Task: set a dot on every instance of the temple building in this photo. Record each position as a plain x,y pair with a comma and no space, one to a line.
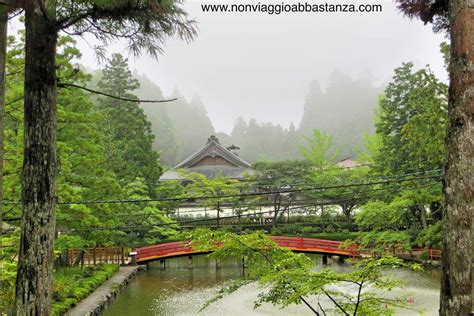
212,160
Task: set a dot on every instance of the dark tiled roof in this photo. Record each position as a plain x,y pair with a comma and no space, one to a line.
236,169
213,148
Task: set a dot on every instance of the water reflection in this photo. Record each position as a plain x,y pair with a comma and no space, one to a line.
178,290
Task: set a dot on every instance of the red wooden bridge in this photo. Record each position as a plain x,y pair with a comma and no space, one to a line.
300,244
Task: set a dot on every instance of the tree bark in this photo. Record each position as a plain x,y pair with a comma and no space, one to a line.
457,279
218,213
40,164
424,222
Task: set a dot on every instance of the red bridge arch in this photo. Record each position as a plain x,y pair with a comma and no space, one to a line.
300,244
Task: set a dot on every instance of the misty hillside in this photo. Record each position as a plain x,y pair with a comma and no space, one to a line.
180,127
345,110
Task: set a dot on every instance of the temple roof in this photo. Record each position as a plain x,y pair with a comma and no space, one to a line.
212,160
213,149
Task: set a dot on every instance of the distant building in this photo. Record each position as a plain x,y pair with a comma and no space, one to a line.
212,160
348,163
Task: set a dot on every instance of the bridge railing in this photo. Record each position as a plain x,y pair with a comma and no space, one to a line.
163,250
294,243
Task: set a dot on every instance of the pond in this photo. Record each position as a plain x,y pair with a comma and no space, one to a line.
177,290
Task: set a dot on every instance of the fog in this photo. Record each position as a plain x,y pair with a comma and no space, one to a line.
260,66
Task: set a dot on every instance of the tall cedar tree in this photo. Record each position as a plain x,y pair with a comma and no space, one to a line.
130,137
457,286
144,24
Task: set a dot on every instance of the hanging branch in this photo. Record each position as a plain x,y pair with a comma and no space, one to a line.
66,85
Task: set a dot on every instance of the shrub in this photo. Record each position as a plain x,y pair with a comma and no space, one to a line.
71,285
431,236
425,255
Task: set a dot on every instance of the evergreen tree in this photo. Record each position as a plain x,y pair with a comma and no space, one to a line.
412,122
129,136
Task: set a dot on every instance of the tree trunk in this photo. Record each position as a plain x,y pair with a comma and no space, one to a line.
276,211
40,165
218,213
423,220
457,280
347,211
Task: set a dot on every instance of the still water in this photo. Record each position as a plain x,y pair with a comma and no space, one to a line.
177,290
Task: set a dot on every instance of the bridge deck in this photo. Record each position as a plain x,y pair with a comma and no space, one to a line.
300,244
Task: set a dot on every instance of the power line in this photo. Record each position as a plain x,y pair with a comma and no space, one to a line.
272,179
248,194
315,202
129,228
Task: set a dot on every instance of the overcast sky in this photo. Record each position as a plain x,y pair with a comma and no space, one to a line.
260,66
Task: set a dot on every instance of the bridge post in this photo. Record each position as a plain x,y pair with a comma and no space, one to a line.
325,260
190,262
162,264
341,260
218,264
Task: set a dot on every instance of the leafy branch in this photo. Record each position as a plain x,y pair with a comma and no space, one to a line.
290,277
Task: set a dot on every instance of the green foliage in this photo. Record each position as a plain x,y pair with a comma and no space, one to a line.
321,155
276,177
371,147
288,278
319,151
145,220
65,242
70,285
412,124
383,242
348,197
220,190
7,281
144,24
86,168
337,236
380,215
129,138
431,236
